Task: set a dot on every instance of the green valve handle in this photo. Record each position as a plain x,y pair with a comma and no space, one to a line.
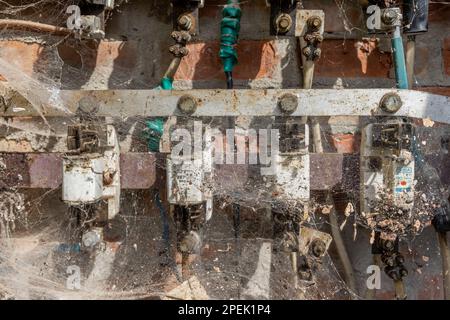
229,29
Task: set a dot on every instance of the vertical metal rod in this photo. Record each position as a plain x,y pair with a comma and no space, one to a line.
399,59
410,59
340,246
400,293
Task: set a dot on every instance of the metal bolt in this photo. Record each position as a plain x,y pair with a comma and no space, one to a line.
187,104
91,238
185,22
283,23
400,260
315,22
307,51
389,16
317,53
288,103
391,102
88,106
318,248
403,272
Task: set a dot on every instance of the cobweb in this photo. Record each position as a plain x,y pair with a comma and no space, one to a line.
240,258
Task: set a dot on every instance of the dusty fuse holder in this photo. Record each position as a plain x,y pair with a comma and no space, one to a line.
292,163
92,176
189,192
387,169
187,181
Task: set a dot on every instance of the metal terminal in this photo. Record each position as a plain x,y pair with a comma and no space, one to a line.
315,22
91,238
187,104
391,102
389,16
288,103
307,51
318,248
283,23
185,22
317,53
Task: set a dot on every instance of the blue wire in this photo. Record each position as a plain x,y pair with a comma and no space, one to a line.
165,220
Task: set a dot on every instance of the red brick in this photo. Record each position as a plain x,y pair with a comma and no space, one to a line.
340,59
438,12
21,54
257,59
444,91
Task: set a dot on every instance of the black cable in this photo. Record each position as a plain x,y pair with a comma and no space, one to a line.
229,76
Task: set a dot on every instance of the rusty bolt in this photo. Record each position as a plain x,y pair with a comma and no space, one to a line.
387,245
318,248
181,36
315,22
108,177
185,22
317,53
399,259
288,103
283,23
389,16
187,104
307,51
403,272
391,102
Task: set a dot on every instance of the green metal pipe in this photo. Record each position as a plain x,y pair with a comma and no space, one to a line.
401,75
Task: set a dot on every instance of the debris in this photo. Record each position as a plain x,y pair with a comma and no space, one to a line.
190,289
327,209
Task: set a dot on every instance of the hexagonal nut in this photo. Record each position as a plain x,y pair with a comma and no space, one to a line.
187,104
184,21
307,52
391,102
288,103
283,23
315,22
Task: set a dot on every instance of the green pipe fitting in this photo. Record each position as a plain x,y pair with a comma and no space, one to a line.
153,133
230,28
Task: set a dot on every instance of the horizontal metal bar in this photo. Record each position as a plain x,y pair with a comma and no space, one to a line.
139,171
160,103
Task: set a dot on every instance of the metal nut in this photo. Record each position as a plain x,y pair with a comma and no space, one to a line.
185,22
318,248
317,53
187,104
315,22
288,103
307,52
283,23
391,102
389,16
